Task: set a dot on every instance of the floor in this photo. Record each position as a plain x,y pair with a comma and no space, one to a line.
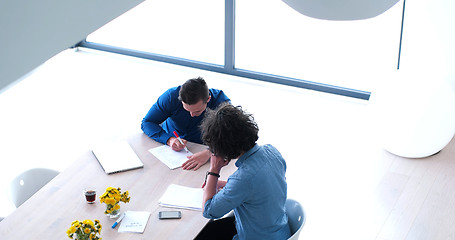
350,187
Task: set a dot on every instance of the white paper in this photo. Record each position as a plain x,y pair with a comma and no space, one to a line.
177,196
134,221
171,158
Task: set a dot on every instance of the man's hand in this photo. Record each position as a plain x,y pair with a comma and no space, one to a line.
196,160
175,144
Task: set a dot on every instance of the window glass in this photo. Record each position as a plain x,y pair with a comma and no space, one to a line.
180,28
273,38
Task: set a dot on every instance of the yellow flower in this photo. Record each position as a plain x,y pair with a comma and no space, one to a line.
84,229
89,222
125,197
110,201
112,197
117,197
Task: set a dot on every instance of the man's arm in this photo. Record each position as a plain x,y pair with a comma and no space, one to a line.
157,114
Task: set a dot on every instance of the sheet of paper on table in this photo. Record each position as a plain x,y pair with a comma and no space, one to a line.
134,221
171,158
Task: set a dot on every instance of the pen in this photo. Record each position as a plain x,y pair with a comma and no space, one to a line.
180,140
118,220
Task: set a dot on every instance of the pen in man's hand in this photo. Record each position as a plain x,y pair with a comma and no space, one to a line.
118,220
180,140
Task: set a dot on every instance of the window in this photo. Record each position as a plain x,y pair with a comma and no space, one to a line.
273,38
185,29
272,42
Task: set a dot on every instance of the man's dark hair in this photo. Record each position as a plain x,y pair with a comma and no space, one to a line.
229,131
194,90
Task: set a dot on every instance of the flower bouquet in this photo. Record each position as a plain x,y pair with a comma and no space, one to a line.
84,230
111,198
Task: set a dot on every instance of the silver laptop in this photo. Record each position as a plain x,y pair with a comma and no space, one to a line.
117,157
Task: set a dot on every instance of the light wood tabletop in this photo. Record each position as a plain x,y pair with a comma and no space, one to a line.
50,212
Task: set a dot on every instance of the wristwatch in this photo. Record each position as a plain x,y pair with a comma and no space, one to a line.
213,174
210,173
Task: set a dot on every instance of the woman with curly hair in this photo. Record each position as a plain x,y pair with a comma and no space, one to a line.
256,191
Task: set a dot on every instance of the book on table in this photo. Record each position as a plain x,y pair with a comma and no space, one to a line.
177,196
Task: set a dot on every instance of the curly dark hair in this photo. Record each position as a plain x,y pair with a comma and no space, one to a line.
194,90
229,131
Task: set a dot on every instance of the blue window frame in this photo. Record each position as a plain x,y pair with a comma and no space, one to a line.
221,62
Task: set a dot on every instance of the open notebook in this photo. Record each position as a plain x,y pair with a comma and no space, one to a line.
117,157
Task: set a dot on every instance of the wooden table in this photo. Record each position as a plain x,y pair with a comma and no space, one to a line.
50,212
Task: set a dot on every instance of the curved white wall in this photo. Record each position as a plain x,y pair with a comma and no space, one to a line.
32,32
417,103
429,36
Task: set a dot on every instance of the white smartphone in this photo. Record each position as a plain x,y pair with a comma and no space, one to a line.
170,215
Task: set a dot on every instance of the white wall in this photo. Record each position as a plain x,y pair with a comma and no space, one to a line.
416,105
32,32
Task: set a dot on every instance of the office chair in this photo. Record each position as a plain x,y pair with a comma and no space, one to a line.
296,218
28,183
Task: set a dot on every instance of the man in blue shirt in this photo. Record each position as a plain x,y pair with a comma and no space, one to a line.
256,192
181,109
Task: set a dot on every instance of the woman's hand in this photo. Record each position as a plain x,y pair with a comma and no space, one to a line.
216,163
211,187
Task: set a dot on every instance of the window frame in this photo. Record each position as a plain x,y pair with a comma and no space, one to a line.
229,61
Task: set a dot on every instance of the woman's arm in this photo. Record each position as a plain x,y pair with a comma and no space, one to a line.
216,163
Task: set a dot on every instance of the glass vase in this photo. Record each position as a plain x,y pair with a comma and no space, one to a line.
81,237
114,213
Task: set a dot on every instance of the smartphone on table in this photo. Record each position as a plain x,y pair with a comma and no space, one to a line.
169,215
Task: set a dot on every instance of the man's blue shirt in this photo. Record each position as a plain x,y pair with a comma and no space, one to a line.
257,192
168,115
